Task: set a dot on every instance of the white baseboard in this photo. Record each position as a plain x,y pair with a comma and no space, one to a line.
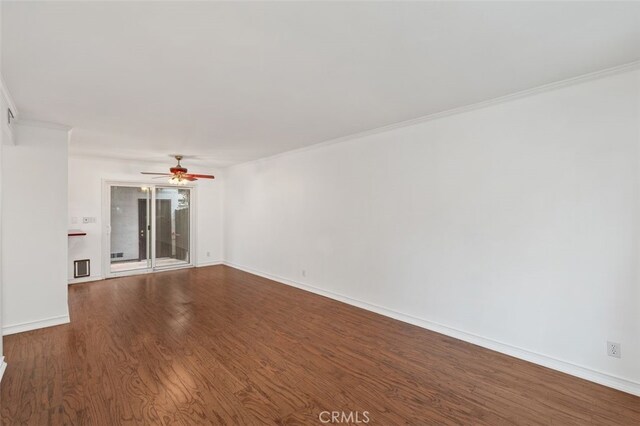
212,263
586,373
3,366
129,273
34,325
85,279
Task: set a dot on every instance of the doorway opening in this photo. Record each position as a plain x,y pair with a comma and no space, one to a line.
149,227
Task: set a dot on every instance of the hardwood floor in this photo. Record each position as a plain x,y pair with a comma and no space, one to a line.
219,346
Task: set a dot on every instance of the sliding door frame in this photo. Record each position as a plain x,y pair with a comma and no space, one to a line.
106,228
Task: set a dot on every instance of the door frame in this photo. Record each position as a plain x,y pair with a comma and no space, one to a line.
106,228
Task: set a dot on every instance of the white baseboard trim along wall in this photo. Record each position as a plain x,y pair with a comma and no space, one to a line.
85,280
34,325
516,221
573,369
3,366
546,361
212,263
100,277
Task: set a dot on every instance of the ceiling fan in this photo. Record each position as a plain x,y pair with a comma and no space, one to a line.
178,174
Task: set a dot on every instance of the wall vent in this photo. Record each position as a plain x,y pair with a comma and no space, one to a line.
81,268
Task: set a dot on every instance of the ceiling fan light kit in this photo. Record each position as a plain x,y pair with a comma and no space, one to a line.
179,175
178,181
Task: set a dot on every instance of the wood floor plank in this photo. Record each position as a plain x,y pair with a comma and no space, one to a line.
216,345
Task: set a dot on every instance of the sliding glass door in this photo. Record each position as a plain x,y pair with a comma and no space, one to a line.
130,239
149,228
172,233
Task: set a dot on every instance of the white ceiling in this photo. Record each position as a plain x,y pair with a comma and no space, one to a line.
231,82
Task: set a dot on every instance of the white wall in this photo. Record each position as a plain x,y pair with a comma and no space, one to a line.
2,109
516,226
34,229
2,142
86,176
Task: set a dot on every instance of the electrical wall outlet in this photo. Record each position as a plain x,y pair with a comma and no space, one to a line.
304,273
208,254
613,349
88,220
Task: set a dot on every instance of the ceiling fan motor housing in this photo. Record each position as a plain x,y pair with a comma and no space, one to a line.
179,174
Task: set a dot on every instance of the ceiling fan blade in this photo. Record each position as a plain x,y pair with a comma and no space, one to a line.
152,173
197,175
161,177
189,178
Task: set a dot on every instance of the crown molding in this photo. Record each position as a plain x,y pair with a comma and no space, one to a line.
631,66
87,155
116,159
99,156
5,90
44,125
